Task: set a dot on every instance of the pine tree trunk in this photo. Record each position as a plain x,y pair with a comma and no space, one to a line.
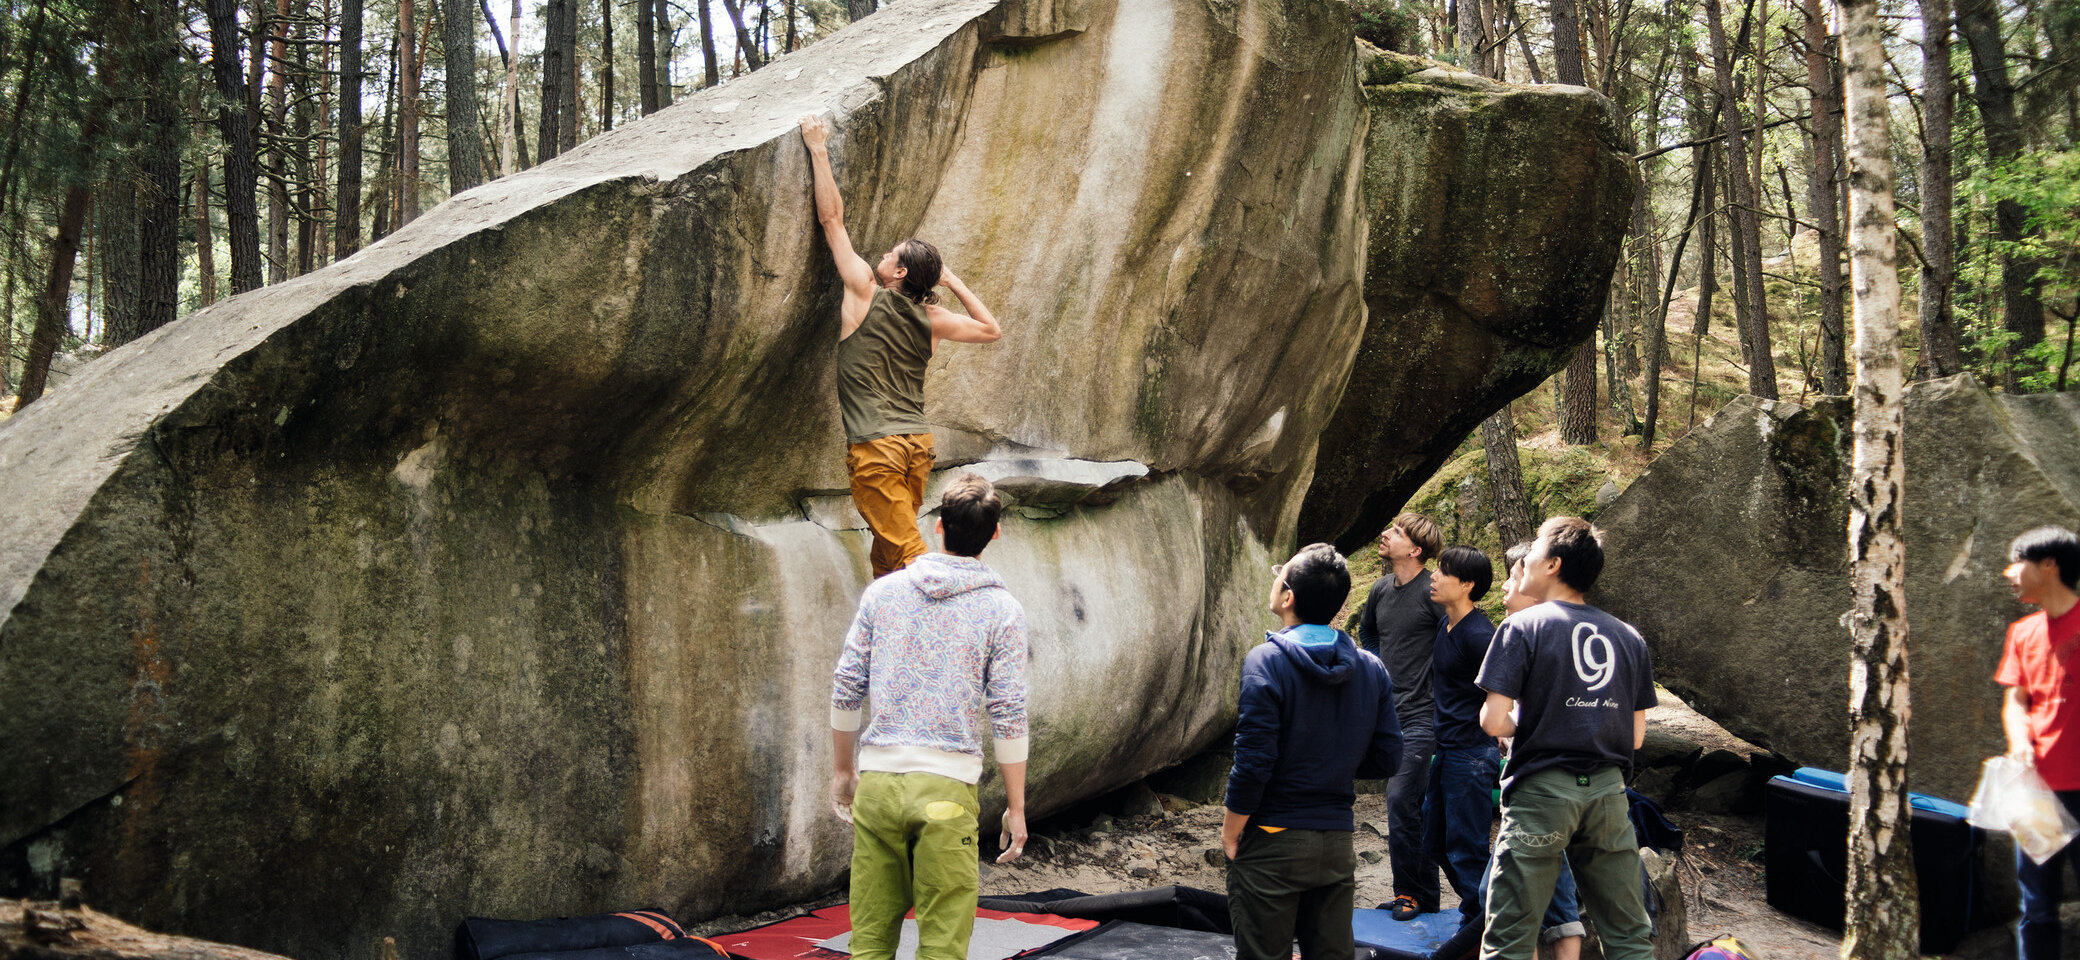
555,73
1578,397
241,178
1743,193
408,113
384,217
277,134
745,48
646,56
120,255
1567,46
857,10
1657,325
1883,920
1513,520
347,229
1978,21
606,65
567,93
302,162
1940,343
714,74
665,52
205,238
1825,138
459,47
159,200
53,309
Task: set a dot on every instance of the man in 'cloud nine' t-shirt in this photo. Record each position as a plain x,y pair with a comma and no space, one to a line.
1582,683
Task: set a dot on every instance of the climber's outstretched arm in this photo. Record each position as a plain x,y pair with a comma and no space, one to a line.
830,211
979,326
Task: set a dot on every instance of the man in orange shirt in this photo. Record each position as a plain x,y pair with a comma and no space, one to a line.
2041,713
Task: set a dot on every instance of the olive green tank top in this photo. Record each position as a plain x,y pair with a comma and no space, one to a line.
881,370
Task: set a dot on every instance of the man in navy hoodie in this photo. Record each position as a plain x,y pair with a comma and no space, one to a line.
1316,713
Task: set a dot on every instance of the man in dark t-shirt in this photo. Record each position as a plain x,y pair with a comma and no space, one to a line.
1399,625
1583,683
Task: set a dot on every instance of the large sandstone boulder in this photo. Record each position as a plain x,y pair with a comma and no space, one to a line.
1496,218
500,568
1731,555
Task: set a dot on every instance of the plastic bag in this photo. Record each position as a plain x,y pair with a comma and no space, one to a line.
2013,799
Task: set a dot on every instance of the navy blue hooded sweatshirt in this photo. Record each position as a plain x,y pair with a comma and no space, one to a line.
1316,712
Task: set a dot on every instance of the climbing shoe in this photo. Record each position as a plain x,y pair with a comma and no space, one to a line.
1405,908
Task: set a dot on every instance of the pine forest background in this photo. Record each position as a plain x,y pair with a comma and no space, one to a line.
160,155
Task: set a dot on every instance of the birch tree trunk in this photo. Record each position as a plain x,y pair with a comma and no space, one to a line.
1883,919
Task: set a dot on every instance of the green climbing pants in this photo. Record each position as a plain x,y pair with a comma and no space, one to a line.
1554,813
913,846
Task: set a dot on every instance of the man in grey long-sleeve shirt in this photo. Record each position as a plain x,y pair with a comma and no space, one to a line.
1399,625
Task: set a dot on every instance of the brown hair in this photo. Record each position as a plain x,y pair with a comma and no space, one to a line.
969,510
923,265
1421,531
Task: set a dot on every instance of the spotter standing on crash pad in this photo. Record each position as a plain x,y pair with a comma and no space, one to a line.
889,327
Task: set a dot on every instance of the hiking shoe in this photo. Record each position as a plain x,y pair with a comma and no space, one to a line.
1405,908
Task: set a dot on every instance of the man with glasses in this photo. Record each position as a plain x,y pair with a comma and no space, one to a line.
1315,714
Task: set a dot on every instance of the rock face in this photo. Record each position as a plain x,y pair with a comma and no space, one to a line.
1496,219
1730,554
500,568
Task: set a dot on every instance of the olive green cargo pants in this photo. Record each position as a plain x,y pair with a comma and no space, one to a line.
913,846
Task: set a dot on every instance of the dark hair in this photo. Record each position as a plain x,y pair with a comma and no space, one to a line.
1579,548
1468,564
1319,580
2054,543
1515,553
969,510
1421,531
923,265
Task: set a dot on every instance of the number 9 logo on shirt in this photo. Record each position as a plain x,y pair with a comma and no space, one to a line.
1595,661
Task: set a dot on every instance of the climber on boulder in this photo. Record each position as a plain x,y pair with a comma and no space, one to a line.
889,327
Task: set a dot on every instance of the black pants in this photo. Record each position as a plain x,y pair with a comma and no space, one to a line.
1293,884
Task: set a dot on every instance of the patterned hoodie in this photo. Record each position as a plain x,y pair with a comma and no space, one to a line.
933,646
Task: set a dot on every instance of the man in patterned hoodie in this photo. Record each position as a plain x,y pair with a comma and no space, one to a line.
935,646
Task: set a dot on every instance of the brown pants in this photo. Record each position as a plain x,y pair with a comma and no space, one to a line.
888,476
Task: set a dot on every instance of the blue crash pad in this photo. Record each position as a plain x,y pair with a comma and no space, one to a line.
1419,937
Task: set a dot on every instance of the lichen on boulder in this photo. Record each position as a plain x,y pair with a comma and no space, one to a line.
1496,212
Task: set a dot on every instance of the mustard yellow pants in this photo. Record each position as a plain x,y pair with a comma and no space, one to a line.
888,477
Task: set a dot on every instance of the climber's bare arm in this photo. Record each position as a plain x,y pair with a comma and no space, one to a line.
979,326
830,212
